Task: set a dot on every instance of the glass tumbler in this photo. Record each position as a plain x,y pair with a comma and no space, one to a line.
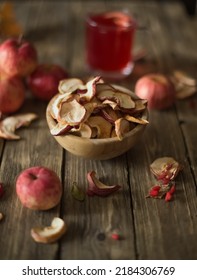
109,43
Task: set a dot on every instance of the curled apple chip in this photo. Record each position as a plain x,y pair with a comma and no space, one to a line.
96,187
72,112
111,103
60,129
84,130
103,127
136,120
110,115
184,84
90,91
100,87
184,78
57,102
122,126
140,105
122,99
165,169
10,124
185,92
69,85
50,233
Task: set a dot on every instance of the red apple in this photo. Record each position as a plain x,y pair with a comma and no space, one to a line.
12,94
17,57
44,81
157,89
39,188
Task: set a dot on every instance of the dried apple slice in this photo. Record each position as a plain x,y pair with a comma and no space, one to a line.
100,87
56,104
122,126
90,90
10,124
111,103
184,78
84,131
96,187
90,107
60,129
165,169
140,106
103,127
122,99
72,113
110,115
50,233
185,92
135,120
69,85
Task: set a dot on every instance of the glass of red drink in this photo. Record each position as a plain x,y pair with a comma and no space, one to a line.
109,42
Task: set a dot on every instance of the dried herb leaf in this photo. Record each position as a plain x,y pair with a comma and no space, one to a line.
77,192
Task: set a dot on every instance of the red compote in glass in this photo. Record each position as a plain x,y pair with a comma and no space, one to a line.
109,42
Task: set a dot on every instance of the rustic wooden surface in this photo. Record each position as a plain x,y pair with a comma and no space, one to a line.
151,229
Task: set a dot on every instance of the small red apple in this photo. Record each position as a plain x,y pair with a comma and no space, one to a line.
12,94
157,89
44,81
17,57
39,188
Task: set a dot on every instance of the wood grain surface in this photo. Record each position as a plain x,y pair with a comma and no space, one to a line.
149,228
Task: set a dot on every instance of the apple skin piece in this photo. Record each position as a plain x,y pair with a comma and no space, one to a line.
157,89
12,94
17,57
39,188
96,187
44,81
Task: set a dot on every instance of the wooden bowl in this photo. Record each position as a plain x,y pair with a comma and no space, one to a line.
99,149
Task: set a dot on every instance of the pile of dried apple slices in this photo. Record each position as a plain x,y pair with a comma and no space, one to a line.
95,109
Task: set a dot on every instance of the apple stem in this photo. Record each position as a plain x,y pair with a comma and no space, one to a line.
34,177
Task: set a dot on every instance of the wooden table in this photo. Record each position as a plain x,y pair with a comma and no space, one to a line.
150,228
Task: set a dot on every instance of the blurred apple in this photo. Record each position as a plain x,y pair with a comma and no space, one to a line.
44,81
17,57
12,93
158,89
39,188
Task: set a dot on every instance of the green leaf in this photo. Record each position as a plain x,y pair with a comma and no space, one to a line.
77,192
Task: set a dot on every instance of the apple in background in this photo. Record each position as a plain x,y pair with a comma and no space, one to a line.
39,188
158,89
44,81
12,94
17,57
